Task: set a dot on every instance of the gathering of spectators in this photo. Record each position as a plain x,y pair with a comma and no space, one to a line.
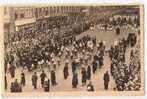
127,76
37,49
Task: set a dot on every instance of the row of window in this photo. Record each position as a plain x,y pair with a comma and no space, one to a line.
31,12
39,12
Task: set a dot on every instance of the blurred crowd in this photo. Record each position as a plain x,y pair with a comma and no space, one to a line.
126,75
37,49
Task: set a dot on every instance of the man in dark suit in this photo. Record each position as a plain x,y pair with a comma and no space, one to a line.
42,76
53,78
65,71
75,80
34,80
83,73
89,72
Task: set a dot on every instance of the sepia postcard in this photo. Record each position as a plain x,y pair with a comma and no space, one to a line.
72,50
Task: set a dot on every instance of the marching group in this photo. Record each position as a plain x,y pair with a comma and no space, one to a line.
36,51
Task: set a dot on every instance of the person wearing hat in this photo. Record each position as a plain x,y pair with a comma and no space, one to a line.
42,76
34,80
53,78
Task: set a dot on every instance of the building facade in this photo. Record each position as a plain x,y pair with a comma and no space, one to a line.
19,18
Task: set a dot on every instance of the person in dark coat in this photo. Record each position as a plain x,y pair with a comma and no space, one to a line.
42,76
75,80
83,72
95,57
106,79
12,89
105,26
88,72
23,80
16,83
11,60
94,66
73,67
90,87
101,61
117,30
65,71
12,70
47,85
34,80
17,87
6,84
53,78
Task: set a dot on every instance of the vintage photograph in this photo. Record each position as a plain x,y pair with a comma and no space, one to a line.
73,48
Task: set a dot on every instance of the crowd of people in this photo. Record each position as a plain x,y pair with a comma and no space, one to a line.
35,50
73,54
27,48
126,75
115,21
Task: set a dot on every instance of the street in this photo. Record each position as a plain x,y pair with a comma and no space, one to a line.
66,85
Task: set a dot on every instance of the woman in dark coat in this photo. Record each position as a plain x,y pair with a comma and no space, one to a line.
88,72
83,72
75,80
65,71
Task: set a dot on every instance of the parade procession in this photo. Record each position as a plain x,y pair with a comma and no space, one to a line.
72,48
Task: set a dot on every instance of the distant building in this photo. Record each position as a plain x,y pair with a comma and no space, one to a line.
19,18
